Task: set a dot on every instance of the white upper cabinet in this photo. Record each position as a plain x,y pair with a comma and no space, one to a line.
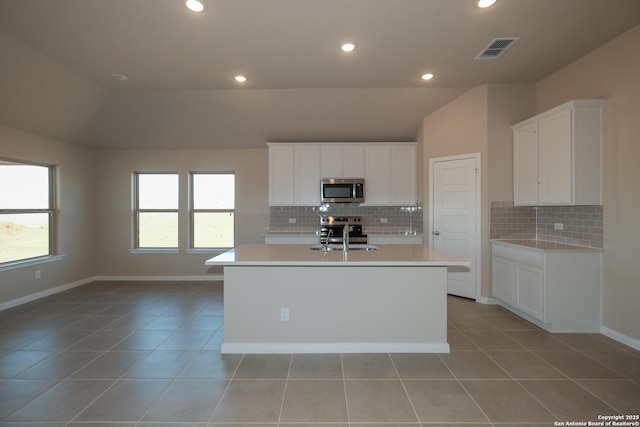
342,161
331,161
294,174
307,175
403,174
295,171
558,156
353,164
378,175
525,164
390,177
281,174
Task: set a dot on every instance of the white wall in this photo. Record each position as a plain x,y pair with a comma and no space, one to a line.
612,72
41,96
478,122
76,217
115,170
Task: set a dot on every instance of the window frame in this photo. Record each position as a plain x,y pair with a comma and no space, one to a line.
51,212
193,211
137,211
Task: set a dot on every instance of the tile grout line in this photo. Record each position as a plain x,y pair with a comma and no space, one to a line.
118,380
464,388
584,352
59,381
395,368
122,377
510,376
567,378
344,386
284,394
171,383
226,389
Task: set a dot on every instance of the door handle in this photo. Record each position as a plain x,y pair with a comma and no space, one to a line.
437,233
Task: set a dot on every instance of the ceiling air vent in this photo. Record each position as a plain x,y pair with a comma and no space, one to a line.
497,47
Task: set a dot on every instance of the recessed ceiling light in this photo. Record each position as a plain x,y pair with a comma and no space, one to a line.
427,76
119,77
240,79
195,5
485,3
348,46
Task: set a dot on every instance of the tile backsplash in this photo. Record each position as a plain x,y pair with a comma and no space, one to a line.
581,225
399,219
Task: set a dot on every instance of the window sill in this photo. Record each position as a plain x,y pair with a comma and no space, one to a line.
177,251
154,251
207,250
29,262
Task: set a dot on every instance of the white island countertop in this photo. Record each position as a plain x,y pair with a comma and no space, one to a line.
303,255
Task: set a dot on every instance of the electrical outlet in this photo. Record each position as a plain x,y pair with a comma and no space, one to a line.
558,226
292,220
384,220
38,274
284,314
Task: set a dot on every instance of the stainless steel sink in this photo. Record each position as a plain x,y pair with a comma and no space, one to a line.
352,247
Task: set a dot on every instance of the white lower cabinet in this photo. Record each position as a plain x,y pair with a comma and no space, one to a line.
529,290
503,271
558,290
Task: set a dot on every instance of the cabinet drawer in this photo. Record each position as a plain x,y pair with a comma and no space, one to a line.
525,256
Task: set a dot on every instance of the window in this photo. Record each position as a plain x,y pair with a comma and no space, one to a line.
26,211
156,210
212,210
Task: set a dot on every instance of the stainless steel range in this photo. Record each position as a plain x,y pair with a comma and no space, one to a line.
332,227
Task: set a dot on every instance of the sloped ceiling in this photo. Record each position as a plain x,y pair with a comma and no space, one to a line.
56,59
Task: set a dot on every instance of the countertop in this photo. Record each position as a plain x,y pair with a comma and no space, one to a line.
545,246
315,233
303,255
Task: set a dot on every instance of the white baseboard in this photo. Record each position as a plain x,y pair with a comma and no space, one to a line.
207,278
624,339
340,347
48,292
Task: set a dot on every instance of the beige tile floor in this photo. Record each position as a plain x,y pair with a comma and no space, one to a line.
148,354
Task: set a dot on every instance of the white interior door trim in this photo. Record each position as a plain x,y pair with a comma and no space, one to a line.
478,227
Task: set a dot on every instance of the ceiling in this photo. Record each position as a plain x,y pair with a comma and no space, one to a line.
292,45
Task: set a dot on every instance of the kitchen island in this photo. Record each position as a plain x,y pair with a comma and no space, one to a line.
291,299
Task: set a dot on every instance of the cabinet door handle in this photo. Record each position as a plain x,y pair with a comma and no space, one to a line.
437,233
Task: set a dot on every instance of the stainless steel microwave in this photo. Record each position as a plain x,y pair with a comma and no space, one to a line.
339,190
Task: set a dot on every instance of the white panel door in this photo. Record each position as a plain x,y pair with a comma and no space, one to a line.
455,219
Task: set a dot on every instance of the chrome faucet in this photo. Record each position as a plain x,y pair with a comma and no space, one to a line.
345,238
326,242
